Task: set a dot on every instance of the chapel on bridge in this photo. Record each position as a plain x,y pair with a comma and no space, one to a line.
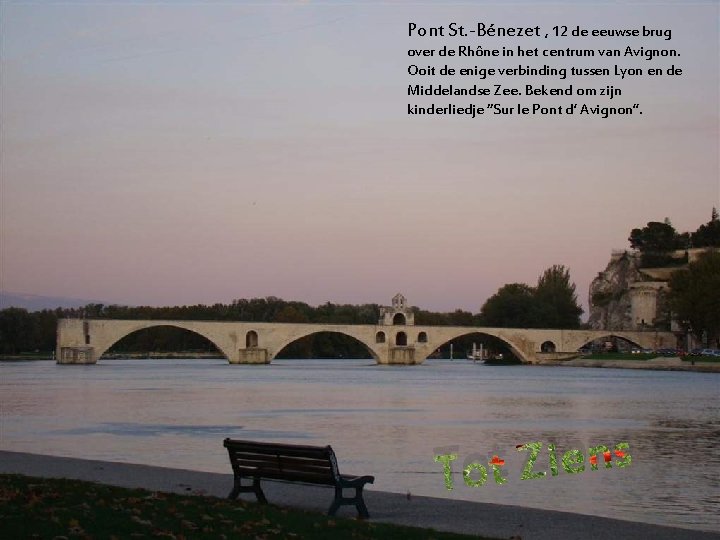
399,313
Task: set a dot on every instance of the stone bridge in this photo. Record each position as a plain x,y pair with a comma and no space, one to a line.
389,342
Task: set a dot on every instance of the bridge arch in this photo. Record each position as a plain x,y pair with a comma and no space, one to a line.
103,348
358,339
466,332
548,347
611,336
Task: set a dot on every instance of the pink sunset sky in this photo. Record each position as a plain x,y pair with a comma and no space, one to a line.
179,153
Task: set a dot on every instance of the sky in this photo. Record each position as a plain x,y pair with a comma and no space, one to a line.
170,153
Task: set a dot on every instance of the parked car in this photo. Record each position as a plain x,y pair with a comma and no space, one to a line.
710,352
696,352
668,352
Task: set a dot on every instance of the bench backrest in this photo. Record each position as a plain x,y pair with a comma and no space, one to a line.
312,464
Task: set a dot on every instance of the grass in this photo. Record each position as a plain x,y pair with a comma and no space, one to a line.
688,358
49,508
28,356
619,356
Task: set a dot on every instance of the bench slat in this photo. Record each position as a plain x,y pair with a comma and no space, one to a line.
244,456
283,462
281,465
285,449
308,478
320,453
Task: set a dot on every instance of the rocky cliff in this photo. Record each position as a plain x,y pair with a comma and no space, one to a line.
626,297
610,303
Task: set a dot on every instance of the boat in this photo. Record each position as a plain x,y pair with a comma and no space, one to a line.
478,355
501,360
489,358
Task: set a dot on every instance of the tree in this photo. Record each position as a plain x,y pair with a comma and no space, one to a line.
655,237
695,296
16,331
513,306
552,304
557,298
656,242
708,234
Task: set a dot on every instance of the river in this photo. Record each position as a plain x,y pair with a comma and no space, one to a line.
390,421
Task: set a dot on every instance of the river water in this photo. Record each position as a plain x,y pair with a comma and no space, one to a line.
390,421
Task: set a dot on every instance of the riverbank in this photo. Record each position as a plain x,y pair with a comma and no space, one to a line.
492,520
658,363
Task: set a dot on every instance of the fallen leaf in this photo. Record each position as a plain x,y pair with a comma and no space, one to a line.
140,521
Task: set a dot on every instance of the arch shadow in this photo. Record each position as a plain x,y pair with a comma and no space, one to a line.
610,336
510,345
373,354
207,338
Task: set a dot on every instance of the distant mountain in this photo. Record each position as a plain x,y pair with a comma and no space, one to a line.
33,302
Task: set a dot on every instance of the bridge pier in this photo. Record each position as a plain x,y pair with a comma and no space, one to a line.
400,356
251,355
76,355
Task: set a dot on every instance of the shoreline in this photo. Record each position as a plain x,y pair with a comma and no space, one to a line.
488,519
655,364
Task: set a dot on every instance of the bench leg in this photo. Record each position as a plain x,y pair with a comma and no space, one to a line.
259,492
357,500
360,503
336,502
238,488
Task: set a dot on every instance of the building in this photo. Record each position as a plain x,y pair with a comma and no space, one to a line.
399,313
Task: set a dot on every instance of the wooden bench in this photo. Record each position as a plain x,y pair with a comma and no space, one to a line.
293,463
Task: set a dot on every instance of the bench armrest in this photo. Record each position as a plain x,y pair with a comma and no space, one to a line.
355,481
